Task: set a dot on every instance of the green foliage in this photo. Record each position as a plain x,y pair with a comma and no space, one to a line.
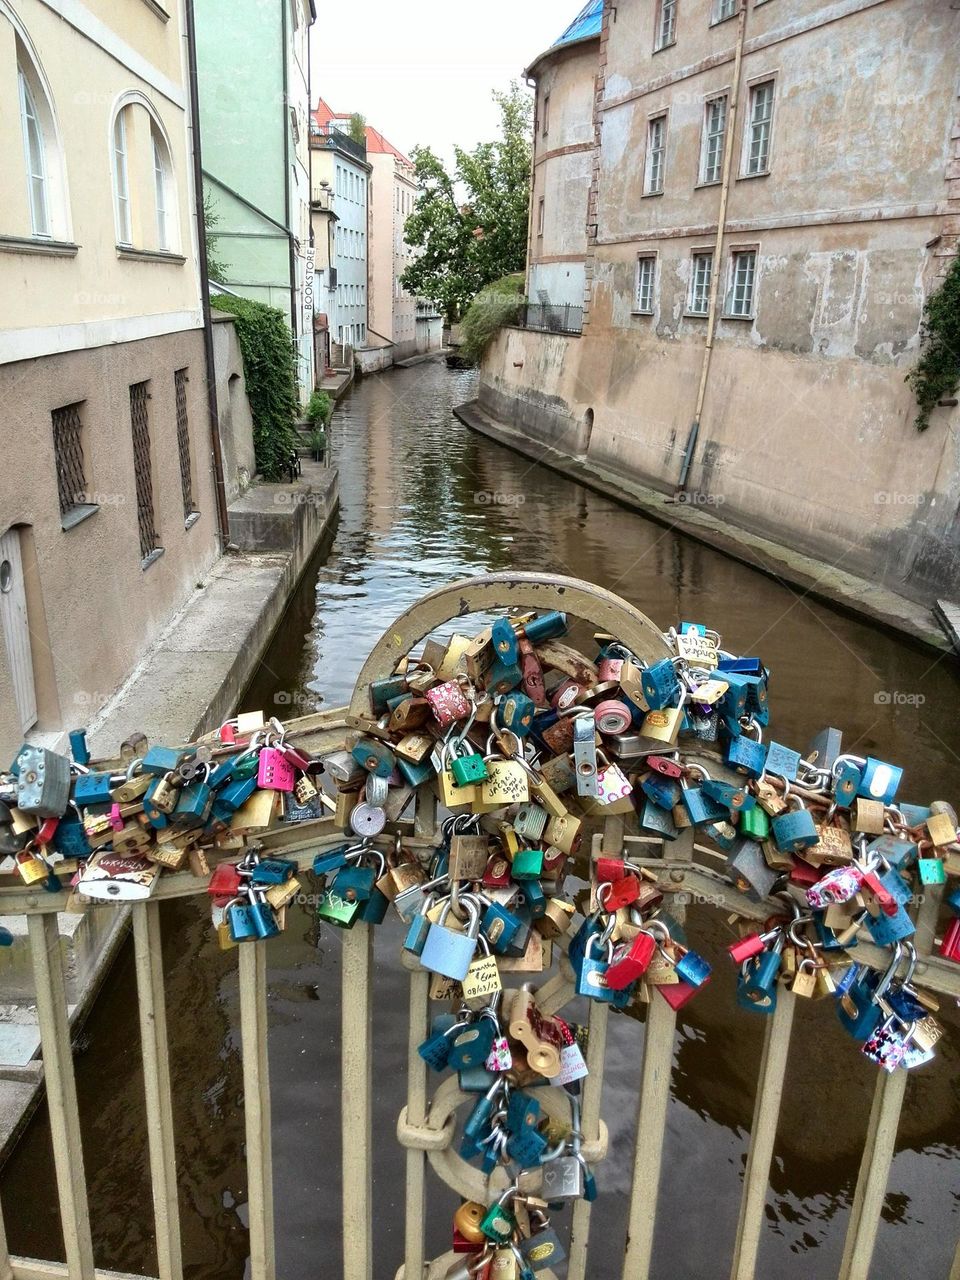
358,128
936,375
216,267
465,246
319,408
493,307
269,369
317,441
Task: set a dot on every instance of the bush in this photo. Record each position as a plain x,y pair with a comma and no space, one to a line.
269,368
319,408
497,305
936,375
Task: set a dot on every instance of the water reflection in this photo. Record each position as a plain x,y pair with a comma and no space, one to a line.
423,502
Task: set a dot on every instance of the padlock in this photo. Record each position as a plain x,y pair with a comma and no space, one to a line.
794,830
879,781
92,788
275,771
448,952
506,783
530,821
543,1249
660,685
498,1222
482,981
241,922
630,960
336,910
750,871
504,641
527,864
467,1221
746,755
585,755
471,1046
592,975
468,768
376,757
755,823
469,855
194,803
565,833
700,808
782,762
516,712
563,1180
448,703
435,1050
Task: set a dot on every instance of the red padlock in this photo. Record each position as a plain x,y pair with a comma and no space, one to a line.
609,869
950,946
752,945
531,674
665,766
630,960
885,899
677,994
462,1245
225,882
295,757
47,830
228,733
497,873
803,873
621,893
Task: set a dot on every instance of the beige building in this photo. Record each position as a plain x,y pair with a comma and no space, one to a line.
771,194
108,504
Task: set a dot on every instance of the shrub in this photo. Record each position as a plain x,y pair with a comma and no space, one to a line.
936,375
494,306
269,368
320,408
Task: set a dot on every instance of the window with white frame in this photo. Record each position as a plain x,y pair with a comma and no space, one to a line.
666,24
656,153
35,159
723,9
743,272
546,114
701,273
163,188
757,157
540,217
643,294
714,130
121,179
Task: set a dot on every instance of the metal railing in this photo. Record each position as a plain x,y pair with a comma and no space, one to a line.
551,317
424,1126
325,138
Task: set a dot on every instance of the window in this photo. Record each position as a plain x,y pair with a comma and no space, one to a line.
723,9
142,470
656,150
35,158
758,129
183,442
698,304
666,24
121,179
540,217
711,151
160,185
68,453
646,270
743,268
546,114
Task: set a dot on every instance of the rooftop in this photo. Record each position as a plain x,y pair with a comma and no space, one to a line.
587,23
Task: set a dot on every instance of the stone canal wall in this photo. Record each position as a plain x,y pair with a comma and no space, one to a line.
819,455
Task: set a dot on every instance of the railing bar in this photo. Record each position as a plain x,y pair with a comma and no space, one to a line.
874,1173
356,1105
591,1091
156,1083
34,1269
763,1134
61,1086
256,1106
416,1114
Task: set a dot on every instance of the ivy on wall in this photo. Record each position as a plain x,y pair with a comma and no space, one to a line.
269,369
936,375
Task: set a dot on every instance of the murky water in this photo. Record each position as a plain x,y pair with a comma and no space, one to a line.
423,502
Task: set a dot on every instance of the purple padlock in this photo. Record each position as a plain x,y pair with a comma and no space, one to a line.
274,771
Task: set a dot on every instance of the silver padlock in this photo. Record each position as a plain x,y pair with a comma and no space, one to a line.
585,754
448,952
367,819
376,791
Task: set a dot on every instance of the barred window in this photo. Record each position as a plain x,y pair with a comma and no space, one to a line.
142,468
68,452
180,381
700,277
714,128
646,270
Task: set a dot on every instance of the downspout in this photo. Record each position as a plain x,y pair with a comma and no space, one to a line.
730,136
533,83
291,250
213,410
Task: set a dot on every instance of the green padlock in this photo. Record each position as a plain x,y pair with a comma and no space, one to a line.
498,1222
527,864
338,911
755,823
467,769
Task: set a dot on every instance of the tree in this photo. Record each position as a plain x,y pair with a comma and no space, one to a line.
358,128
466,245
216,267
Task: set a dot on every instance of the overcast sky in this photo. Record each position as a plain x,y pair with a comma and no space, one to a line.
422,72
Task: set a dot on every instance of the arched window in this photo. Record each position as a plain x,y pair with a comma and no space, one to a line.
43,172
145,219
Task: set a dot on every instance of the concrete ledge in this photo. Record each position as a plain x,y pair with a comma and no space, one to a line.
851,595
285,517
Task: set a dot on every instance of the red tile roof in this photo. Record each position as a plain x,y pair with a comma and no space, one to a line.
376,142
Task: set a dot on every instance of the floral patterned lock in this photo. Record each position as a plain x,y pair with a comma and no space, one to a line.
275,772
612,784
448,703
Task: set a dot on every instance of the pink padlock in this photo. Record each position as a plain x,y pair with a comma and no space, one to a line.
612,716
228,733
609,669
839,885
115,820
274,772
448,703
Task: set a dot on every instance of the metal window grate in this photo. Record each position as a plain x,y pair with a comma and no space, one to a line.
142,470
183,442
68,451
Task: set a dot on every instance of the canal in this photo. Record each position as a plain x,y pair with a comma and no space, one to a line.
423,502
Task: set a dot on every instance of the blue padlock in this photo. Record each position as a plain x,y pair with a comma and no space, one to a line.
880,780
734,799
505,643
241,922
952,900
273,871
914,815
163,760
794,830
374,910
413,773
331,859
532,899
701,810
477,1079
70,839
746,756
435,1050
655,821
662,791
660,685
500,926
740,697
516,713
92,788
526,1147
547,627
858,1010
78,746
264,918
743,666
897,850
782,762
231,796
591,980
472,1046
693,968
503,676
846,783
759,977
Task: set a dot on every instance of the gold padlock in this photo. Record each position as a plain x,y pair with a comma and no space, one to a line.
868,816
506,783
304,789
662,725
414,747
467,1221
257,813
556,919
224,936
455,797
564,832
482,980
199,866
167,855
278,895
31,867
132,788
941,829
450,662
548,797
834,847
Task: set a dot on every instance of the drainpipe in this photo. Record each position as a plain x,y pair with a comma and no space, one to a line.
532,83
285,108
213,410
717,256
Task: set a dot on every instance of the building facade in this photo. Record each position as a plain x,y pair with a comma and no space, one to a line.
340,202
757,248
400,324
108,510
254,89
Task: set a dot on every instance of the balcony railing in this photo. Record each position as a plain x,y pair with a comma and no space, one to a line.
551,317
325,138
424,1129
